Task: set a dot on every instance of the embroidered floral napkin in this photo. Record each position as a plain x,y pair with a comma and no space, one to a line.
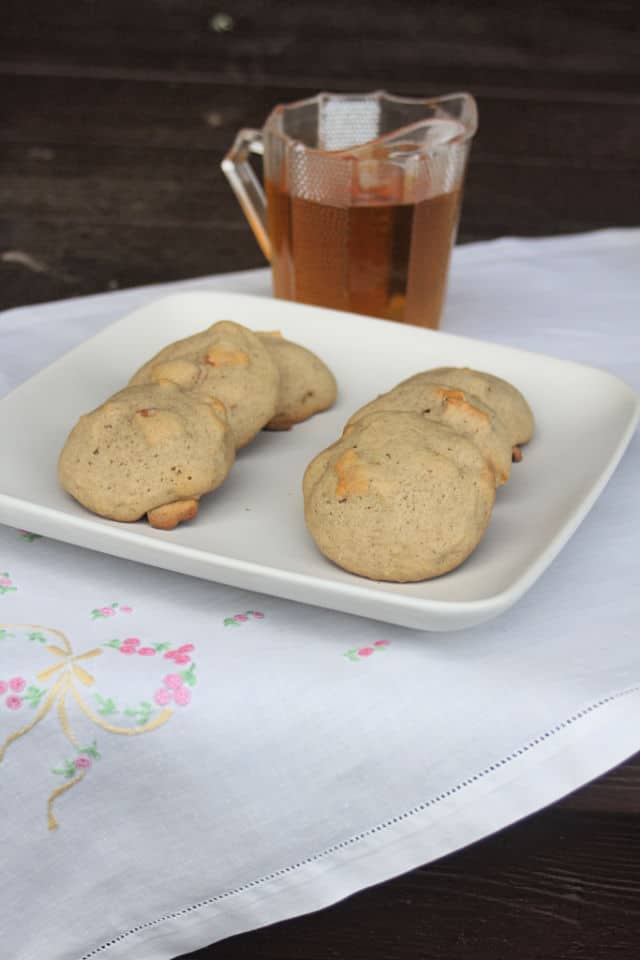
180,761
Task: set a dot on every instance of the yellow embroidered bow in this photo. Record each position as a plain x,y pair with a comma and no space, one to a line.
69,671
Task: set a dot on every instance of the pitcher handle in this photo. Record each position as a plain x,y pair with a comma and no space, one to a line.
246,186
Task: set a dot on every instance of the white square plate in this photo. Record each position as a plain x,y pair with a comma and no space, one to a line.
251,532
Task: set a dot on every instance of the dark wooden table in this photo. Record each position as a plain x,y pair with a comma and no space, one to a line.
115,117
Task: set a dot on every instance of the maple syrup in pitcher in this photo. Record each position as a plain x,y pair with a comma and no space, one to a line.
384,259
361,199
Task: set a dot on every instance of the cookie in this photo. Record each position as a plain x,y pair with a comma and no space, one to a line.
307,386
507,402
456,409
152,449
228,362
398,498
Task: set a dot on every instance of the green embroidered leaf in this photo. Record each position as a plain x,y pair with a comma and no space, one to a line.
106,705
5,633
141,713
113,643
351,654
161,647
68,769
4,590
90,751
33,695
230,622
189,676
36,637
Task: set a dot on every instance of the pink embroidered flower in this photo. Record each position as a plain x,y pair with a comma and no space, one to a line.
258,615
181,654
241,617
182,696
382,643
126,609
82,762
5,582
13,702
107,611
162,697
146,652
132,641
17,684
173,681
365,651
3,687
127,650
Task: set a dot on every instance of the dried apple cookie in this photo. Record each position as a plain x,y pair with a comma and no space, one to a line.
307,386
151,449
462,412
507,402
228,362
398,498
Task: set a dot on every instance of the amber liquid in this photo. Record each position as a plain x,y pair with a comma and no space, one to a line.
384,259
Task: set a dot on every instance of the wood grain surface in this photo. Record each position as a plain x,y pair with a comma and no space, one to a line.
115,117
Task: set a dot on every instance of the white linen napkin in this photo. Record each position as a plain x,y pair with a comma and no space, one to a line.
181,761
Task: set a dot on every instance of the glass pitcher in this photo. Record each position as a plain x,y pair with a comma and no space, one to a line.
361,199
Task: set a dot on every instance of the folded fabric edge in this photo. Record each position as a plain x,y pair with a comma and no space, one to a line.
542,771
